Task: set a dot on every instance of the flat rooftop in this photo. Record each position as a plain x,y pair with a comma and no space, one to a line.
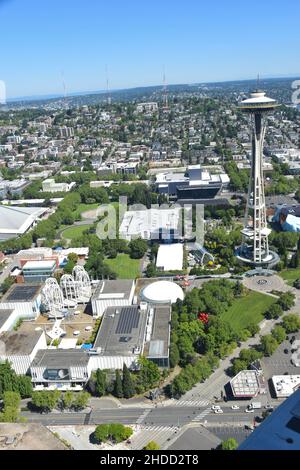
39,264
60,358
20,343
285,385
245,384
110,289
4,315
158,346
21,293
121,331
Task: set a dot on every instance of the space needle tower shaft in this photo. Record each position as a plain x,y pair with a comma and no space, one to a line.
255,248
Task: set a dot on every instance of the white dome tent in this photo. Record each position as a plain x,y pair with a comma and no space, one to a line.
161,292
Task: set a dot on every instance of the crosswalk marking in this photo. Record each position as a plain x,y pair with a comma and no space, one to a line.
143,416
193,403
159,434
201,415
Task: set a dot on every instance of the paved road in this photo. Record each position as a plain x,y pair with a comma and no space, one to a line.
161,416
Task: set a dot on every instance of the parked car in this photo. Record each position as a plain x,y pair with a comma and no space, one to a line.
235,407
249,410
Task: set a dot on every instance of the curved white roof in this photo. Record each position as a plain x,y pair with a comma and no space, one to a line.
162,292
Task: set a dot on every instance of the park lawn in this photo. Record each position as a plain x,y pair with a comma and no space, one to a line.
85,207
248,309
74,231
124,266
290,275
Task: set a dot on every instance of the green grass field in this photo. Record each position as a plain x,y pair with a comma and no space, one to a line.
85,207
124,266
74,231
290,275
248,309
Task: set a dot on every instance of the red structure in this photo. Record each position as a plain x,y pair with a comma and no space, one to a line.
203,317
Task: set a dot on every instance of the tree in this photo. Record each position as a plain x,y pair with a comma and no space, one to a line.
12,399
287,300
8,379
149,374
101,433
296,283
118,387
291,323
152,445
24,386
268,345
138,248
67,399
274,311
100,382
279,333
81,400
151,270
127,383
229,444
115,432
45,400
238,365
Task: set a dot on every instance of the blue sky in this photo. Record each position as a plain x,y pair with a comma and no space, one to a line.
195,40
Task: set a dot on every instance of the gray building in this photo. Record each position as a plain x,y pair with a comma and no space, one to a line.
112,293
62,369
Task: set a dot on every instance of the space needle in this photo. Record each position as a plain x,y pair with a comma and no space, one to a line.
255,247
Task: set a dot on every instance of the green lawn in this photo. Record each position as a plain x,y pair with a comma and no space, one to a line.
247,309
290,275
124,266
85,207
74,231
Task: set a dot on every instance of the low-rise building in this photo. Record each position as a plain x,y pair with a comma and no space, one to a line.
285,385
152,224
25,299
49,186
112,293
62,369
21,347
170,257
38,271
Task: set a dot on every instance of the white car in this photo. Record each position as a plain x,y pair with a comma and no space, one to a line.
235,407
215,407
219,411
249,410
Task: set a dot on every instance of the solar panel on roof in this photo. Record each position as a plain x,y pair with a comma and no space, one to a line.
24,293
129,319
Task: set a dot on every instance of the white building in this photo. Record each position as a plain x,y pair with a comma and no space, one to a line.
112,293
151,224
170,257
285,385
24,299
20,348
15,221
149,107
49,186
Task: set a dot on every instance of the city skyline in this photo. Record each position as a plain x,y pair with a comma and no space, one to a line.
70,45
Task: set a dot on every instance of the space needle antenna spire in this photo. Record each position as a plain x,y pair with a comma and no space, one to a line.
108,97
255,247
165,92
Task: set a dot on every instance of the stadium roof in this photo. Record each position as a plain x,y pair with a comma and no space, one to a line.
17,220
